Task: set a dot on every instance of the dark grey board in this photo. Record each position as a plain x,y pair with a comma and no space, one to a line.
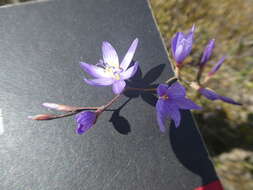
41,45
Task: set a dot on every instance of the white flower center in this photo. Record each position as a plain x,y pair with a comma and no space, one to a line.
113,71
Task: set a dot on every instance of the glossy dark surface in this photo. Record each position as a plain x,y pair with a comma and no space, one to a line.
41,45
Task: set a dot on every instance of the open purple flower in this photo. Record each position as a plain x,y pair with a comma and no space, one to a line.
108,71
212,95
85,120
207,52
181,45
171,100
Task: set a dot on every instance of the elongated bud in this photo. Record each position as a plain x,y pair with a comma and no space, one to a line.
42,117
216,66
59,107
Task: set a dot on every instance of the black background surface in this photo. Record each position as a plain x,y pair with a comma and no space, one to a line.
41,45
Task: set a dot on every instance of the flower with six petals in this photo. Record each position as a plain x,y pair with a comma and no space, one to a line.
171,100
108,71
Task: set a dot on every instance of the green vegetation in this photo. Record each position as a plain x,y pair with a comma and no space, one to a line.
224,127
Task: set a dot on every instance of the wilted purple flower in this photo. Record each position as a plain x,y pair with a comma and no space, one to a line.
207,52
181,45
171,99
217,66
85,121
211,95
108,71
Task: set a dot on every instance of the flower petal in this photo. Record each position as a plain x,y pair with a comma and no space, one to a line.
118,86
99,81
129,55
162,90
174,41
85,121
209,94
160,116
110,55
129,72
207,52
173,111
187,104
176,90
229,100
93,70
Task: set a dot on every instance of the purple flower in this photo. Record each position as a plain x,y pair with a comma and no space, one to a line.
171,99
217,66
108,71
181,45
211,95
85,121
207,52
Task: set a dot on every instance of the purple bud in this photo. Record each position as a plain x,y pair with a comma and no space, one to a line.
181,45
209,94
85,121
207,52
229,100
217,66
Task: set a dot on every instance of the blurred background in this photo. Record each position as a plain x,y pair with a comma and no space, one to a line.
226,129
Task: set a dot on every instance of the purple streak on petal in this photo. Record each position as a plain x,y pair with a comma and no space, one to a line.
129,72
229,100
176,90
99,81
129,55
209,94
187,104
174,42
85,121
118,86
217,66
160,116
173,111
93,70
162,90
110,55
207,52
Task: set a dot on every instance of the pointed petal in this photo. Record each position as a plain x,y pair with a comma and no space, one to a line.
229,100
176,90
173,112
99,81
160,116
175,42
209,94
93,70
217,66
129,72
110,55
118,86
187,104
129,55
207,52
162,90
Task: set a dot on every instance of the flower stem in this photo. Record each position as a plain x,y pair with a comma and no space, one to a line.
102,108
